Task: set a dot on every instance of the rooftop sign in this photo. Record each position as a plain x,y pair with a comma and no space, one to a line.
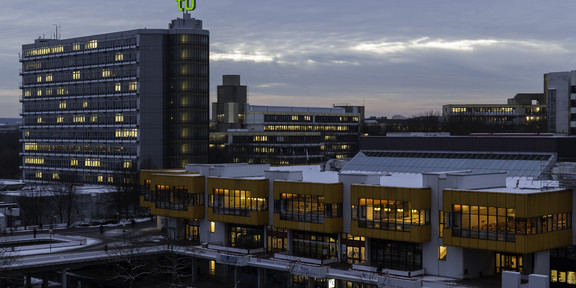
189,5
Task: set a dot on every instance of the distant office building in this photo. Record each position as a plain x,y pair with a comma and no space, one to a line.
96,106
526,112
228,111
279,135
560,91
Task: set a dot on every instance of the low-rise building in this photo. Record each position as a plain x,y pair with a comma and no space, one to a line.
385,218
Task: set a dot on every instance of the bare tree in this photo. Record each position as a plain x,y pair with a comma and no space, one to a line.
130,265
66,200
36,204
174,269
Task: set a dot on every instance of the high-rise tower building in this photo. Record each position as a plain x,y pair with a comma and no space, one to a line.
94,107
560,93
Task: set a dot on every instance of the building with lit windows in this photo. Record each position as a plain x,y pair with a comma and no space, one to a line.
388,218
279,135
526,112
95,107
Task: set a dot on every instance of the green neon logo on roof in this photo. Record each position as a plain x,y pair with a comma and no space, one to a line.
189,5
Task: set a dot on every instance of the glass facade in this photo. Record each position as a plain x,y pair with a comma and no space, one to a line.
174,197
388,215
501,224
315,245
246,237
236,202
306,208
395,255
188,107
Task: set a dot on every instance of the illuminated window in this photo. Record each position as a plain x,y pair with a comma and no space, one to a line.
184,148
442,253
307,118
38,174
212,267
62,105
48,77
119,56
106,72
127,133
110,179
27,93
39,92
31,146
118,87
212,227
133,86
294,117
76,75
562,277
55,176
260,139
73,162
48,92
39,120
119,117
85,104
571,277
93,44
60,119
39,78
79,119
94,118
92,162
61,91
100,178
553,276
127,164
34,160
76,46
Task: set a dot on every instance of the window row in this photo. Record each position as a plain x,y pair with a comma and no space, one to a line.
80,148
80,74
79,46
174,197
501,224
236,202
77,162
310,128
76,119
306,208
86,89
388,214
72,134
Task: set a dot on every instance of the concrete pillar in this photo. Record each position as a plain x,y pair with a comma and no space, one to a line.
310,282
510,279
538,281
45,280
235,275
28,281
64,279
261,277
194,271
542,262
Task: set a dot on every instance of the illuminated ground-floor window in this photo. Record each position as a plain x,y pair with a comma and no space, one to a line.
246,237
509,262
395,255
315,245
193,230
355,248
277,239
302,281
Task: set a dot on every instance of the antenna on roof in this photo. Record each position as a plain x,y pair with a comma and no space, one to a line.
56,35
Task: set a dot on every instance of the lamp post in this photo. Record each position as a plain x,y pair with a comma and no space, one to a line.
52,231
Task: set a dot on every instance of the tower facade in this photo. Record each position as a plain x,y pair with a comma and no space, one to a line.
99,106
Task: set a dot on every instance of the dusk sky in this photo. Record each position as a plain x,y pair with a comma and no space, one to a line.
395,57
